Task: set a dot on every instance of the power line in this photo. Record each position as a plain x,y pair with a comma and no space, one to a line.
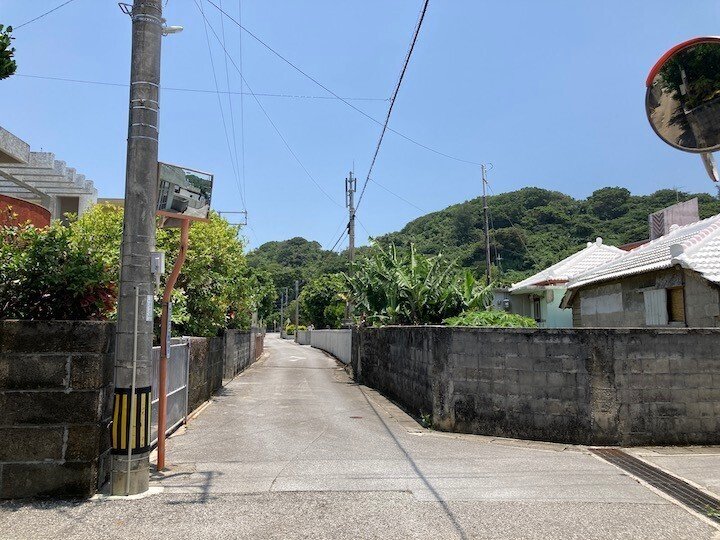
242,102
342,235
200,90
395,195
42,15
232,117
222,112
345,101
267,116
393,98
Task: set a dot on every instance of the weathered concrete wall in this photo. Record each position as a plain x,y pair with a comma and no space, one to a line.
336,342
621,303
55,407
206,369
238,353
303,337
587,386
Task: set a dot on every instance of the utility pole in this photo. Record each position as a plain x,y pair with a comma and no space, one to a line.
282,301
350,186
297,307
133,349
487,226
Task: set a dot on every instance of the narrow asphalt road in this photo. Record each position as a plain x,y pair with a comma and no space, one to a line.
292,448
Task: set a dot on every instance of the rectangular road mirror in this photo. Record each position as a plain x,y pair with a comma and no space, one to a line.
183,193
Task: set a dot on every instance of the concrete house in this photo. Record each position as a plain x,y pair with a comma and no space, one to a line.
673,280
539,296
37,181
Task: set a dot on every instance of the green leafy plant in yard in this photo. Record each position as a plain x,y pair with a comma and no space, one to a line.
491,318
404,287
426,420
45,275
7,63
216,289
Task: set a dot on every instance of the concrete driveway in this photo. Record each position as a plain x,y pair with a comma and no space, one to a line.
292,448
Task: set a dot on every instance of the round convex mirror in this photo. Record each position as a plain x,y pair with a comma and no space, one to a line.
683,96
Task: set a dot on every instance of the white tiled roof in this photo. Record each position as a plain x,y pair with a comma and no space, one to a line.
695,246
594,255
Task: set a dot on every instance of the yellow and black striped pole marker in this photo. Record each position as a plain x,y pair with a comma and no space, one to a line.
131,421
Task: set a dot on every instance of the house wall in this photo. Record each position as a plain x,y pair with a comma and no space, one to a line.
551,316
621,303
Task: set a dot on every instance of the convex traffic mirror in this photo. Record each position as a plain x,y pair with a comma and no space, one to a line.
683,96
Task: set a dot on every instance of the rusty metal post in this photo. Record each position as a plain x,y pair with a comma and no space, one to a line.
164,341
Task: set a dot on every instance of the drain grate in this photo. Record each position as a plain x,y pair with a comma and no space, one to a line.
676,488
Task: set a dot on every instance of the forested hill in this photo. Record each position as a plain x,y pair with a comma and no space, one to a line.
532,228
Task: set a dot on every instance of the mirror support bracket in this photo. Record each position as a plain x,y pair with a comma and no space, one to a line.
710,166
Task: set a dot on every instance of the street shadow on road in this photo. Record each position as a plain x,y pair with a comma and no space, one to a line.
446,508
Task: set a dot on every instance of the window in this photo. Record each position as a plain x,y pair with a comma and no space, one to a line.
656,312
676,305
536,308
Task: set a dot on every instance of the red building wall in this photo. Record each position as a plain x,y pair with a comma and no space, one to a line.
26,211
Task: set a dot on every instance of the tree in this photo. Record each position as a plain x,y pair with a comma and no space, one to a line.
216,288
7,64
322,301
609,202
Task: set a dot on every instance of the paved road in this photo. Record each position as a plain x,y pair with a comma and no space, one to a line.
293,449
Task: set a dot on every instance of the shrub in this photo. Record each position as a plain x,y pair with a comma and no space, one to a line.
44,275
491,318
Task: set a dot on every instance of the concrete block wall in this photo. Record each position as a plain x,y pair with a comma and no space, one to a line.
237,351
303,337
586,386
206,369
336,342
56,388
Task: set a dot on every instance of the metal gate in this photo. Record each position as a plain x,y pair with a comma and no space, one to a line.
177,388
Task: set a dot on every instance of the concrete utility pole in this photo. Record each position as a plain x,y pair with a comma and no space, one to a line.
282,301
350,186
297,307
133,350
487,227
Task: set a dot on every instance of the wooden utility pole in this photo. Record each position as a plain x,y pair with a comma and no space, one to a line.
133,350
487,226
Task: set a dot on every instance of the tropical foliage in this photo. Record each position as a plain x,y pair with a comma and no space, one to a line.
390,286
491,318
45,275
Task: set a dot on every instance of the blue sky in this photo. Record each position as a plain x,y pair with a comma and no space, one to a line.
550,92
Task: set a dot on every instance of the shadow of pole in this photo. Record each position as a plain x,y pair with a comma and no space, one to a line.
448,512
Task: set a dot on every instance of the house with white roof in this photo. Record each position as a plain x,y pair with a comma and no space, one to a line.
539,296
673,280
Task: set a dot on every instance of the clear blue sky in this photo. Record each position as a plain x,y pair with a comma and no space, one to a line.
550,92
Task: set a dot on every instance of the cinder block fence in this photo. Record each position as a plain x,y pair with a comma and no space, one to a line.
55,398
587,386
56,389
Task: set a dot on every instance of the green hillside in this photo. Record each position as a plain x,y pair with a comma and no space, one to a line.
532,228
